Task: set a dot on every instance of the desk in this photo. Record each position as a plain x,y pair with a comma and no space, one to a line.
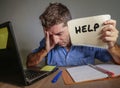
46,83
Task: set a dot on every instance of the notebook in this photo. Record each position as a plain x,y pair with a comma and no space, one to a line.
86,31
86,73
11,62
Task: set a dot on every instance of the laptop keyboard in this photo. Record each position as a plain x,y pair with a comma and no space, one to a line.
30,74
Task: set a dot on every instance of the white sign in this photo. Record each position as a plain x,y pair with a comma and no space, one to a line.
86,31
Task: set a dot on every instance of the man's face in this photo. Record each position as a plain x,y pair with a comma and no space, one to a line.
59,34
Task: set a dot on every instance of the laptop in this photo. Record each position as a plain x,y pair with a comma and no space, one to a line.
11,62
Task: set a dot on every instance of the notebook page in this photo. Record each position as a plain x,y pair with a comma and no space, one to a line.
85,73
111,67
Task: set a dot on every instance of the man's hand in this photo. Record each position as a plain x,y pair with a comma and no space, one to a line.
109,33
49,41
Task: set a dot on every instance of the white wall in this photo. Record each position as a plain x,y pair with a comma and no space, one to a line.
24,15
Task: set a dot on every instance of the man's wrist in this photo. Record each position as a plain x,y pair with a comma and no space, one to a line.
111,45
113,48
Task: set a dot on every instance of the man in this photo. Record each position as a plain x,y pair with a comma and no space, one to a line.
56,47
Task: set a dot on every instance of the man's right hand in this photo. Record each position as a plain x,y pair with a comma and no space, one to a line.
50,43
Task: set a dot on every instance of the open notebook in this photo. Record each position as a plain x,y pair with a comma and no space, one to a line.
87,73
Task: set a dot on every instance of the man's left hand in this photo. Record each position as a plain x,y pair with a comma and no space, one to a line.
109,33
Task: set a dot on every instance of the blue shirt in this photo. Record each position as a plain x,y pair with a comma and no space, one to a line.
77,55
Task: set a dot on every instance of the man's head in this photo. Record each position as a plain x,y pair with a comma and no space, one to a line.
54,21
54,14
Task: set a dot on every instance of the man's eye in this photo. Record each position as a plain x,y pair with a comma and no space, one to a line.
59,34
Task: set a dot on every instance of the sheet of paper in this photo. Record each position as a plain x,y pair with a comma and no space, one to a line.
85,73
3,37
85,31
47,68
111,67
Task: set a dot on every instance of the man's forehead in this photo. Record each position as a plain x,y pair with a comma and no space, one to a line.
56,28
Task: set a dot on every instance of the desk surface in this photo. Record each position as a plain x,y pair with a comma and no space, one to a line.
46,83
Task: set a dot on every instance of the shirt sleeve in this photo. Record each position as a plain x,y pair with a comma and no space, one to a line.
103,55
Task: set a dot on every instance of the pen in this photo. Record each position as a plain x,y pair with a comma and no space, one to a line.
109,73
56,77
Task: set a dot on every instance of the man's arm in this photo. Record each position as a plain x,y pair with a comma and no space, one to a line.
109,35
115,52
34,58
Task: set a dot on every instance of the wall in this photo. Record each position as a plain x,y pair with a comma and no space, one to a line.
24,15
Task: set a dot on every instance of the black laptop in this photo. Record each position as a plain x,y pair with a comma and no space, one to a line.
11,62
